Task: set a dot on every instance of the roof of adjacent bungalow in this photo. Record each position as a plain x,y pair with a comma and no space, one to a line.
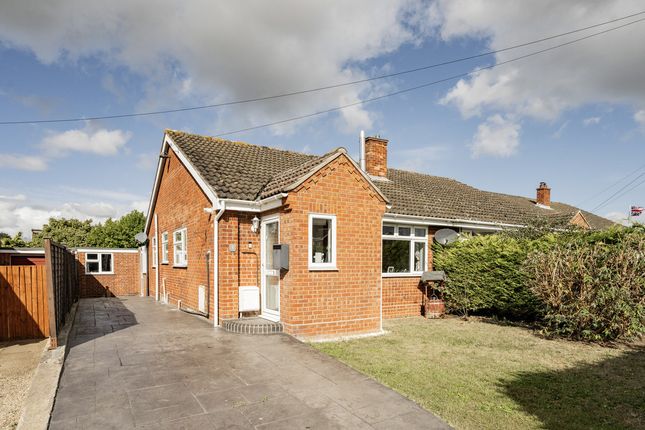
241,171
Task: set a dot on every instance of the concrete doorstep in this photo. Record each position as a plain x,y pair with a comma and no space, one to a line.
40,398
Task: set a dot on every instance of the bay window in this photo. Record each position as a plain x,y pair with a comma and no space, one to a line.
405,249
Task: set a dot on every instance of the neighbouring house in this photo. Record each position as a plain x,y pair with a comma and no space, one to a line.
323,244
101,271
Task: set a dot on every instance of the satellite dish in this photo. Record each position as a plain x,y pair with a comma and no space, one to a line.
140,237
446,236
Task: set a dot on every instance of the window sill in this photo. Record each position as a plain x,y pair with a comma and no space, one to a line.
323,269
99,273
402,275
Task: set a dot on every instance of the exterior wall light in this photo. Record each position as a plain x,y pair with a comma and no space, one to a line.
255,224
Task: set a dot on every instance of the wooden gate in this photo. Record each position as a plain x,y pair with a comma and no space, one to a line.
24,308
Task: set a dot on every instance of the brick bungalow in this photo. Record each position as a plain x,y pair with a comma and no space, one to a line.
322,244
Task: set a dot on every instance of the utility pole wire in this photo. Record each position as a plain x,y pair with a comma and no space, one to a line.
322,88
428,84
616,194
601,192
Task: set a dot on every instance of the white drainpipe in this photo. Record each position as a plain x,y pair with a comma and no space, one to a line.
216,263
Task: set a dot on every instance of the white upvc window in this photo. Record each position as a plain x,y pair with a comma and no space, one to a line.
180,251
155,251
164,247
322,242
405,250
99,263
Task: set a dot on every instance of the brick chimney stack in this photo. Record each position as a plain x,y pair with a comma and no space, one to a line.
376,156
543,195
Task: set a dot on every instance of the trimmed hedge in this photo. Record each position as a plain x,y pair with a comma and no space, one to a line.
576,284
486,277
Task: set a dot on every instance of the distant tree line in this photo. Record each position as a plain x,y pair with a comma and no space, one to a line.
75,233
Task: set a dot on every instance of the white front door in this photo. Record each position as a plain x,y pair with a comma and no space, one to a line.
270,231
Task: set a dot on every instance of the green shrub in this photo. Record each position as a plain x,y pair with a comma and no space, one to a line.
486,276
592,284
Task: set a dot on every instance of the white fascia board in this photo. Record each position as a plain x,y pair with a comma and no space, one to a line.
475,225
155,186
269,203
110,250
37,251
201,182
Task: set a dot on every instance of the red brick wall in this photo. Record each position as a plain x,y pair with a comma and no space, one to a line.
403,296
345,301
124,282
238,268
180,203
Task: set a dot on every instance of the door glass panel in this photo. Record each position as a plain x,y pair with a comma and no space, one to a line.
271,276
270,240
272,292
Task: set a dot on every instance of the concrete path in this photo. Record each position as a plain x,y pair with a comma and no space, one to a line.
134,363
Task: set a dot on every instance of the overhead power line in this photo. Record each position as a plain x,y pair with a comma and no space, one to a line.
604,190
326,87
428,84
617,195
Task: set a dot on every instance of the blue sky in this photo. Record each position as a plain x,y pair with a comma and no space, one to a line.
572,117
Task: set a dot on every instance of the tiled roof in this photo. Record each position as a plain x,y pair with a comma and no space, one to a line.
237,170
425,195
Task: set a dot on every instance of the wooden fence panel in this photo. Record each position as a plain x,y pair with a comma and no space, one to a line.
62,286
23,303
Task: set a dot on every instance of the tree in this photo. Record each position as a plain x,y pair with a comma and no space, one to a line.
7,241
69,232
118,233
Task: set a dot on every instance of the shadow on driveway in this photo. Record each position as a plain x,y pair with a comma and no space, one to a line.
134,363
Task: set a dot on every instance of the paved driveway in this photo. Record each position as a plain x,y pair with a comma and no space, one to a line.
135,363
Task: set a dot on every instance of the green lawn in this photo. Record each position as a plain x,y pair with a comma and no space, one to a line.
479,375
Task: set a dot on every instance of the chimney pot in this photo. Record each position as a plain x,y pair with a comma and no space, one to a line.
543,195
376,156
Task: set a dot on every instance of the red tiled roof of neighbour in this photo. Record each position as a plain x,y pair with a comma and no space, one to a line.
237,170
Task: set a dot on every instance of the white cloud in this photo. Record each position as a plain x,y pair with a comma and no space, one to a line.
99,142
19,213
418,159
22,162
256,48
639,117
591,121
603,69
147,161
618,217
498,136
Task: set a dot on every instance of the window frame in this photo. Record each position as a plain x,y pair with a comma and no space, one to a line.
155,252
98,260
184,241
331,265
412,239
164,247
